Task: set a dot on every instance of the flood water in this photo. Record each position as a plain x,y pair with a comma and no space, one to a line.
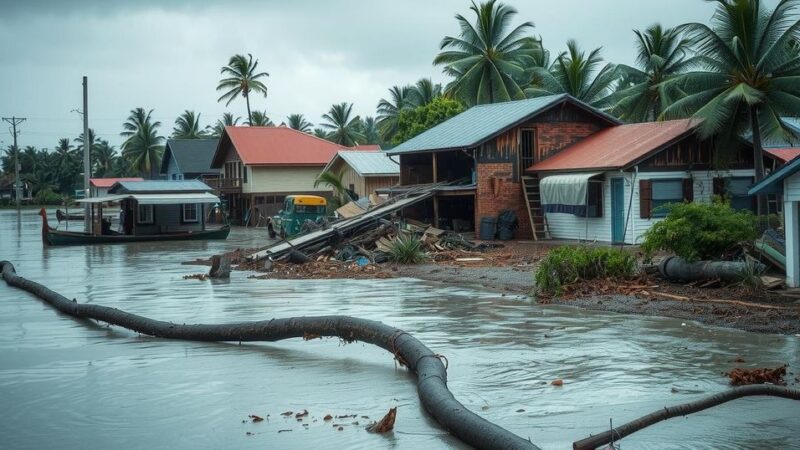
72,384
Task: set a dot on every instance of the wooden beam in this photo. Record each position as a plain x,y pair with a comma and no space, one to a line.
436,211
433,155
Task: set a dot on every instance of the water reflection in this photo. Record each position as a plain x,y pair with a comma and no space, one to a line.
76,386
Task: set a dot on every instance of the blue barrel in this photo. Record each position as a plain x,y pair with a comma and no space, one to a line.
488,228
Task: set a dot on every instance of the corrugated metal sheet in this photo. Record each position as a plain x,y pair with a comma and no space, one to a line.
159,187
617,147
475,125
783,155
370,163
108,182
190,155
275,146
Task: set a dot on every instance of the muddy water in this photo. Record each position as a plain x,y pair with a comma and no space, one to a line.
69,384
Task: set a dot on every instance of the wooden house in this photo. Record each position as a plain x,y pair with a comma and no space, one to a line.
189,159
364,171
98,187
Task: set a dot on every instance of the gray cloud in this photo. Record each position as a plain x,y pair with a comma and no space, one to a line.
167,55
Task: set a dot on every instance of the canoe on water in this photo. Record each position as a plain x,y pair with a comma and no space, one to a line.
51,236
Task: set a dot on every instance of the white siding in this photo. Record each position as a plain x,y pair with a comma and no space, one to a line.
262,179
567,226
792,188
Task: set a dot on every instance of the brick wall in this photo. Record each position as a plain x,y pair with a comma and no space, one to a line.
554,137
496,192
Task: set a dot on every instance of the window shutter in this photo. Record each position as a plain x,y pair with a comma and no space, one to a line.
645,198
688,190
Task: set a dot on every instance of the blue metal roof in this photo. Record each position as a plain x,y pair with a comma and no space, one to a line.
773,184
480,123
158,187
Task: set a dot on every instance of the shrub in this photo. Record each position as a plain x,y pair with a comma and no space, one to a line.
48,197
566,265
407,250
698,231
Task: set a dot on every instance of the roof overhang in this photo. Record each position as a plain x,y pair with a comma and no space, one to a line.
157,199
567,193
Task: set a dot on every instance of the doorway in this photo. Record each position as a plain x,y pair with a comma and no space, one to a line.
617,210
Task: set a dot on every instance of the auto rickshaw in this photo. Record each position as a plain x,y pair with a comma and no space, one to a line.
297,209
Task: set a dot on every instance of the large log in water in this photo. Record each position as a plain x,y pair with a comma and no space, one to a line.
431,373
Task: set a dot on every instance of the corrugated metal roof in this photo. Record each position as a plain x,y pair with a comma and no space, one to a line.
159,187
369,163
108,182
275,146
617,147
773,184
479,123
191,155
783,155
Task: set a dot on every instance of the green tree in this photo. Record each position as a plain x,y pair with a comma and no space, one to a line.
644,91
389,110
342,126
321,133
334,181
575,73
187,126
241,79
488,60
751,75
143,146
369,128
299,122
259,119
424,92
66,165
104,157
414,121
227,120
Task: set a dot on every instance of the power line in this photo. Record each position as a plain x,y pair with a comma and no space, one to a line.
14,121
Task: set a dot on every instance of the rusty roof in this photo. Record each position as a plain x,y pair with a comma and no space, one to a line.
618,147
783,155
281,146
108,182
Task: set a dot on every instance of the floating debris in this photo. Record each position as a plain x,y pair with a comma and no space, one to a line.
742,377
384,425
255,418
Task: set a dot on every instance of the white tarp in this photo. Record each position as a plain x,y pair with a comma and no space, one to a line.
158,199
562,193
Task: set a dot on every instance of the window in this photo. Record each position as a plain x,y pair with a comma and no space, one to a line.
177,176
190,213
145,215
244,174
594,199
664,193
309,209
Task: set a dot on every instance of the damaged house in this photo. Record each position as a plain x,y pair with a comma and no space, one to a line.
567,170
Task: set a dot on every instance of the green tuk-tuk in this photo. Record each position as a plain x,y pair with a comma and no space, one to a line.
296,210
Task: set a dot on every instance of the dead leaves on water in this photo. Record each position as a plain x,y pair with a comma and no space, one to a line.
384,425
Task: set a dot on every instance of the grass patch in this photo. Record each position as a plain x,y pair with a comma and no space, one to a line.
567,265
407,250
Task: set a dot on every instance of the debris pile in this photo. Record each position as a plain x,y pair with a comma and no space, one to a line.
742,377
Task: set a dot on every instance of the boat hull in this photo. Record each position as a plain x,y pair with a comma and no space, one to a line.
58,238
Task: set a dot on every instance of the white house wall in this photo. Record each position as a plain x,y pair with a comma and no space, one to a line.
261,179
568,226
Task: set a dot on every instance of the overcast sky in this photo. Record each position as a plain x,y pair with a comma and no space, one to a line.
166,56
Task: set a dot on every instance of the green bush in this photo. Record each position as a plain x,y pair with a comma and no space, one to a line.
48,197
566,265
699,231
407,250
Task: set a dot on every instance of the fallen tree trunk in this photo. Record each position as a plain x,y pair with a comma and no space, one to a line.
676,268
669,412
431,373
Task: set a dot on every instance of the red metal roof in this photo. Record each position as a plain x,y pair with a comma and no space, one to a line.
783,155
617,147
108,182
275,146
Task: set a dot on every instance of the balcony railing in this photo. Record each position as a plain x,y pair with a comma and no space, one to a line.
226,185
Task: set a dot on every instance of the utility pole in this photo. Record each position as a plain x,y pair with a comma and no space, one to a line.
87,145
14,121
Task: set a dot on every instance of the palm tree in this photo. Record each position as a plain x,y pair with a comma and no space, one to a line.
750,76
227,121
389,110
334,181
260,119
66,165
487,60
241,80
143,146
79,146
369,128
299,122
187,126
322,134
643,93
424,92
105,154
344,129
575,73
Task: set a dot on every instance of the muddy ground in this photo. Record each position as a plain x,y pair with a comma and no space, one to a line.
509,270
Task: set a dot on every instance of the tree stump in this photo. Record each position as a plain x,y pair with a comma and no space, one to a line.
220,267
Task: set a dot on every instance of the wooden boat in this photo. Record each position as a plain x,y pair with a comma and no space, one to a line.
51,236
62,216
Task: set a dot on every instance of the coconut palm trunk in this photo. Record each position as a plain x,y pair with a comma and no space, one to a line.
758,158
